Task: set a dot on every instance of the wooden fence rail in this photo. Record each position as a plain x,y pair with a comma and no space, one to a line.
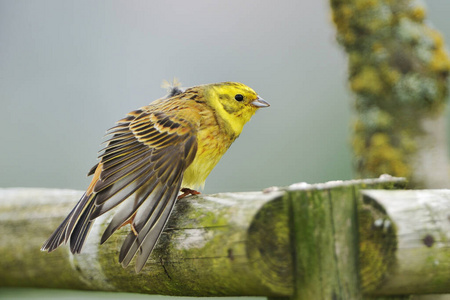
338,240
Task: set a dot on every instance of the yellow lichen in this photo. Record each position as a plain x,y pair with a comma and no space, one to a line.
358,125
365,4
440,61
390,75
398,65
437,37
355,59
368,80
378,47
347,11
382,157
341,17
383,120
350,38
418,13
358,145
376,25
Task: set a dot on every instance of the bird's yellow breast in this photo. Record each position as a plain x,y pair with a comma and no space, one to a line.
213,142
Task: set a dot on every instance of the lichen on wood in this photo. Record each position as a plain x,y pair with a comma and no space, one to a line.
398,70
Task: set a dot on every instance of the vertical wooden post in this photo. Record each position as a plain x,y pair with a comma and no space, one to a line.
324,244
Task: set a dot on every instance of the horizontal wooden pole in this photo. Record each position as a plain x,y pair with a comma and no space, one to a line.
231,244
421,253
210,247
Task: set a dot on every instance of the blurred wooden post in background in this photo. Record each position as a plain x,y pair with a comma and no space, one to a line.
398,69
336,240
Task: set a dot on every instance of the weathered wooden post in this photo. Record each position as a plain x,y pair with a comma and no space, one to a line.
324,242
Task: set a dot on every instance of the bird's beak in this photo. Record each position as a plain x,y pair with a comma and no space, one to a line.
259,102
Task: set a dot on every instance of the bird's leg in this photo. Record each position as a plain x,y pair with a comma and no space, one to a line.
130,221
133,229
187,192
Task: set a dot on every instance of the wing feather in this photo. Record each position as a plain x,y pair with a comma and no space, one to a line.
126,211
149,221
121,148
128,170
151,229
155,230
112,169
59,236
81,229
122,138
141,169
123,194
80,208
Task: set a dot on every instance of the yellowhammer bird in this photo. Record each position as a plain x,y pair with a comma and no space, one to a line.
170,144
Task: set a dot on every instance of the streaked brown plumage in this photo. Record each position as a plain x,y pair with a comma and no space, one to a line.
153,152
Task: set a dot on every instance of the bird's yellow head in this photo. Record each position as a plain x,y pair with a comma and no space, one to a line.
233,102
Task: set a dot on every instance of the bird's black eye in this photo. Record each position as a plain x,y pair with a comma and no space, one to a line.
239,97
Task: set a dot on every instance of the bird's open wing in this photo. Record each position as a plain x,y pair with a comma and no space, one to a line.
141,168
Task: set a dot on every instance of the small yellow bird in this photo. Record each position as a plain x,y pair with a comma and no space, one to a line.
171,144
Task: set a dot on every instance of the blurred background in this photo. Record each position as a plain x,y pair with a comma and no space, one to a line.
69,70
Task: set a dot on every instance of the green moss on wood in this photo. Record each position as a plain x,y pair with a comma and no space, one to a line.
269,249
203,252
323,237
24,226
377,246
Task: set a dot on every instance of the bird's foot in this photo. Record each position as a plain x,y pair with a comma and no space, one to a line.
130,221
187,192
134,229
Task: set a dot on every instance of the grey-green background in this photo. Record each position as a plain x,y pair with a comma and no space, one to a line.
70,69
